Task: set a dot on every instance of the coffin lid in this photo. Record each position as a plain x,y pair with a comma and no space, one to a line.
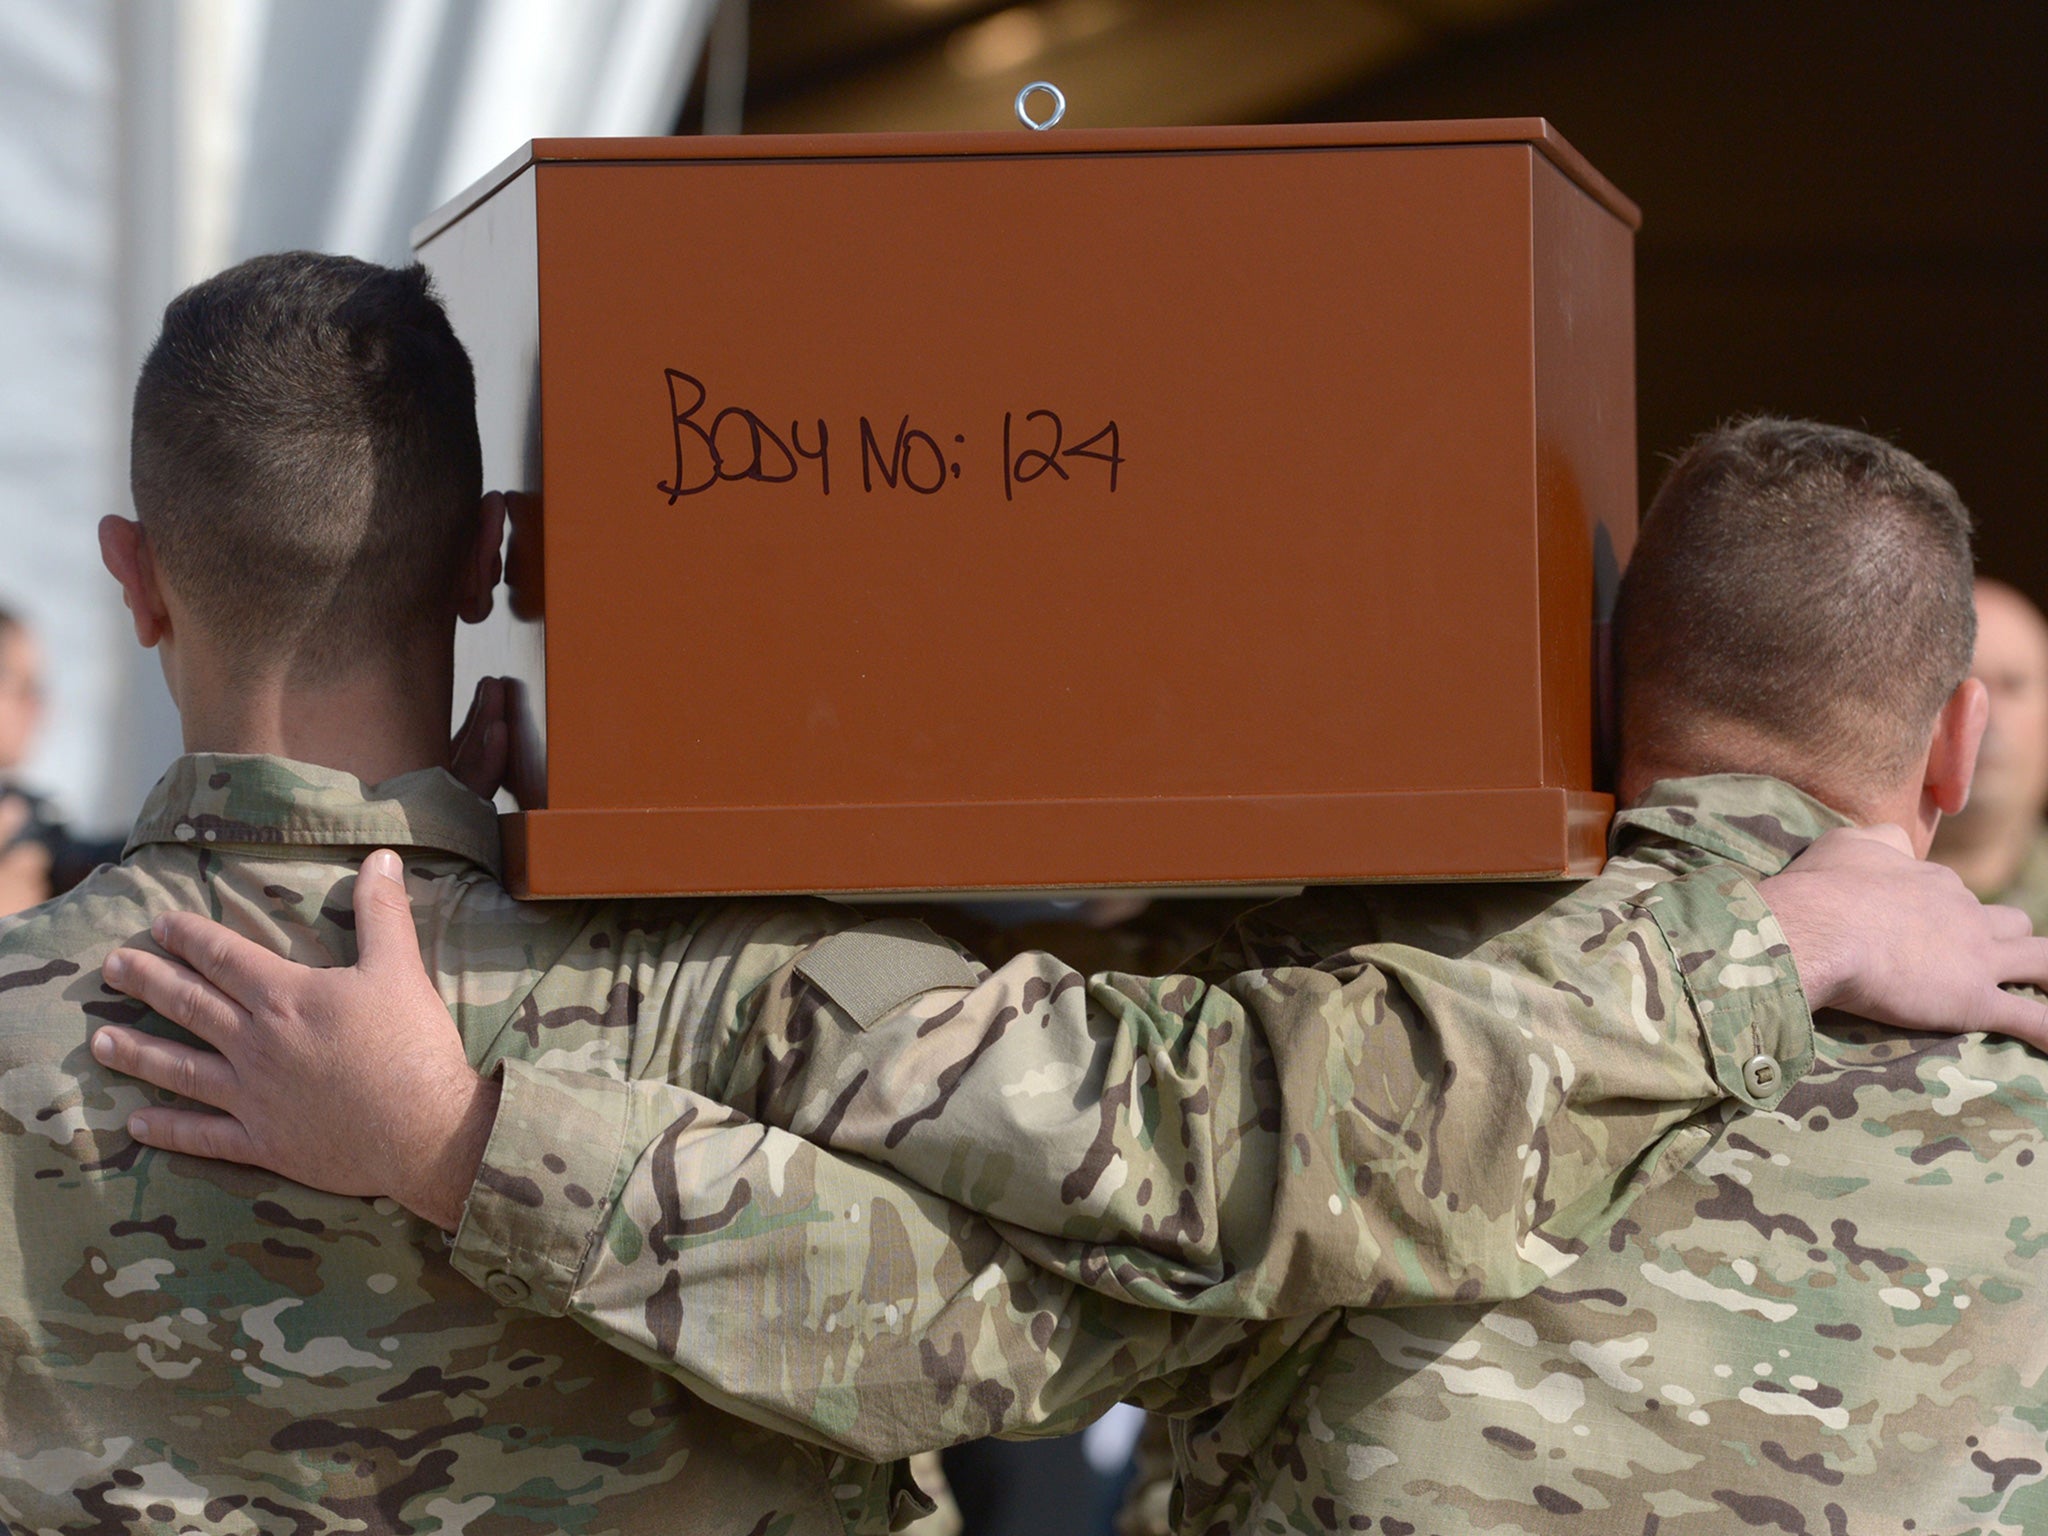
1533,131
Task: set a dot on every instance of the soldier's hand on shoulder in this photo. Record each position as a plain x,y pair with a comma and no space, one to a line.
1880,933
350,1079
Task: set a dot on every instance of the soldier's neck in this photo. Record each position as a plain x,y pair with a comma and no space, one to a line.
371,724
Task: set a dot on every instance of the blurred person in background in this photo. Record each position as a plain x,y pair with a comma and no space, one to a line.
25,866
42,858
1999,842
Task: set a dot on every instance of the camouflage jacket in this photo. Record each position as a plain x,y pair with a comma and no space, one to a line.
1806,1328
188,1345
1194,1170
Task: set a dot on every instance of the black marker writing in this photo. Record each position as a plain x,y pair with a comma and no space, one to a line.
734,444
902,463
1030,463
738,445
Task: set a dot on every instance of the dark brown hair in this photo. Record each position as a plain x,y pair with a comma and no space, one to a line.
305,458
1808,584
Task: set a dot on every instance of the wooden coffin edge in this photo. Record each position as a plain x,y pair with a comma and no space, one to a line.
1535,132
1203,843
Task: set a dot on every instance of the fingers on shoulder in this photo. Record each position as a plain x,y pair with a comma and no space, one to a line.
2008,922
2019,1015
188,1071
178,992
239,967
197,1133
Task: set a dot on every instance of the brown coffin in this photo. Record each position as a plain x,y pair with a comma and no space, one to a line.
1122,508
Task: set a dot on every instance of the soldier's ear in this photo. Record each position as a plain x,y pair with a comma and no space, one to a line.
126,553
1952,755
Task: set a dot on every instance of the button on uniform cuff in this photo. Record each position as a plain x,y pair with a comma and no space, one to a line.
1737,969
548,1182
1761,1075
504,1286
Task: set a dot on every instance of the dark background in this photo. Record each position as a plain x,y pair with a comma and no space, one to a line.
1845,201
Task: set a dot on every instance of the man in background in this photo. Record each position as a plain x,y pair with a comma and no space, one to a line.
42,857
1998,842
25,863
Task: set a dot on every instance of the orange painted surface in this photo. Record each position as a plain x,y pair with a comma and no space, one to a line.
1000,512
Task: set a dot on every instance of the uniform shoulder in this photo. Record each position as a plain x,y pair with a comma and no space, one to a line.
680,972
107,908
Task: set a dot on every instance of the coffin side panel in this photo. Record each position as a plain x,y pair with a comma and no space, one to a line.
486,268
1586,466
1044,478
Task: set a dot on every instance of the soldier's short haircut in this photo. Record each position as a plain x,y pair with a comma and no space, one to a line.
305,459
1807,584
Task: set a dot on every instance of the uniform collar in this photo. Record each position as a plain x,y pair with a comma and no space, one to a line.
216,799
1759,823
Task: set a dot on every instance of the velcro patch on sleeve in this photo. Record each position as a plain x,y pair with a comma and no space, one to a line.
874,970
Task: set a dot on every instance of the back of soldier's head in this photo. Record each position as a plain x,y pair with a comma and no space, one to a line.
1799,604
305,460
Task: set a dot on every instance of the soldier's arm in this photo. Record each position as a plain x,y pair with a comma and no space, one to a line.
1387,1128
1350,1180
810,1291
1394,1127
818,1294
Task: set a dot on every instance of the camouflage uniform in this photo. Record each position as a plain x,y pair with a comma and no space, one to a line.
1388,1127
190,1346
1806,1328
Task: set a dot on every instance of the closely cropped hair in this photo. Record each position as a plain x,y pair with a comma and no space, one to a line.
305,458
1808,584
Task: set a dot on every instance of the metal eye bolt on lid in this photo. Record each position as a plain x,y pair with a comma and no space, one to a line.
1052,117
